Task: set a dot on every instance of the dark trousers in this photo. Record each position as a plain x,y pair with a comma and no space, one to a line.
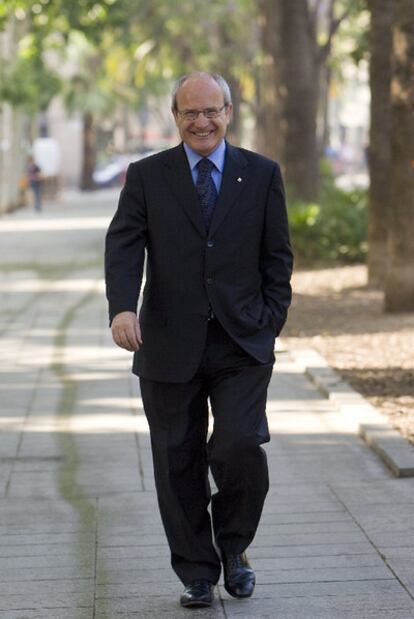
37,196
177,413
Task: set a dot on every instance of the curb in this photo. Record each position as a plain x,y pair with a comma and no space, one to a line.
364,419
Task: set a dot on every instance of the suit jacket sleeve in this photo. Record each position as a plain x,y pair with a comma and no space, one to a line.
125,247
276,260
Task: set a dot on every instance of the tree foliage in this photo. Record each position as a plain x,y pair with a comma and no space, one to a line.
27,84
143,44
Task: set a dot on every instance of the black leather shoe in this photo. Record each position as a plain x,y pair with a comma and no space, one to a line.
197,594
239,578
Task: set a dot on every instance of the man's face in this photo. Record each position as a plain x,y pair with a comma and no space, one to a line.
203,134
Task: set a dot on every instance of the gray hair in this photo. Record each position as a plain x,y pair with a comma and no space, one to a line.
225,89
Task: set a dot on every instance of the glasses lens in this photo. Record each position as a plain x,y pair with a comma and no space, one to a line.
189,115
212,112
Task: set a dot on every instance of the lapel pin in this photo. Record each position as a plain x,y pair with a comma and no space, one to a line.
239,180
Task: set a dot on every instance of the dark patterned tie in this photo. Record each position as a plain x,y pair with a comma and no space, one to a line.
206,189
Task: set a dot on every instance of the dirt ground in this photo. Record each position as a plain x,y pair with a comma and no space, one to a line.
335,313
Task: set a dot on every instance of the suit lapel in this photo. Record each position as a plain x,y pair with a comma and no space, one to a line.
233,181
179,178
181,182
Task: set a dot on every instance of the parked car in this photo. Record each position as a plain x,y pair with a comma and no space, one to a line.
112,173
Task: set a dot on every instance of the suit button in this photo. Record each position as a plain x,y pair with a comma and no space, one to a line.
210,243
209,280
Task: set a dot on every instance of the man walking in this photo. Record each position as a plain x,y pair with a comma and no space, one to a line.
212,219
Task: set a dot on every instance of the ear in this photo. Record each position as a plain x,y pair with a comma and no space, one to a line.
229,112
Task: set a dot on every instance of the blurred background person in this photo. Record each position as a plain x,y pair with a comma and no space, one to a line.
34,181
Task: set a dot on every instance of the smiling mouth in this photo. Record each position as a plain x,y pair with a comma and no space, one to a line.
202,134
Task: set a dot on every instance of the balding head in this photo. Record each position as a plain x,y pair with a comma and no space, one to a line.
201,76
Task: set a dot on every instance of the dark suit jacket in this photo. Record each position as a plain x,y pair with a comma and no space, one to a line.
241,268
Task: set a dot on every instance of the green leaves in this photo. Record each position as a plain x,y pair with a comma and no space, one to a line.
334,229
152,41
27,84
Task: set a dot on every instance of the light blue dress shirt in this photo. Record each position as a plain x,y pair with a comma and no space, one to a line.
217,157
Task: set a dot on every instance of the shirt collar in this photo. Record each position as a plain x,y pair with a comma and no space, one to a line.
217,156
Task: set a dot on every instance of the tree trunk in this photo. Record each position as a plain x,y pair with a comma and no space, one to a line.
324,133
301,78
235,127
399,284
379,154
89,152
222,39
325,81
268,117
289,93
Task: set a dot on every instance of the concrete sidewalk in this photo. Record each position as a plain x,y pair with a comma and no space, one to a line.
80,534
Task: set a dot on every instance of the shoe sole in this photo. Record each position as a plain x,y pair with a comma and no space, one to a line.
235,595
196,604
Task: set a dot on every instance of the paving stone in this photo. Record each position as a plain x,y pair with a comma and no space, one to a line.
46,573
50,538
162,611
342,526
49,600
126,539
388,492
282,539
380,586
317,575
399,552
49,554
158,605
132,575
290,518
140,587
311,550
149,553
49,613
315,562
338,607
46,587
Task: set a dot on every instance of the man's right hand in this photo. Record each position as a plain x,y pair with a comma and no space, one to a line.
126,331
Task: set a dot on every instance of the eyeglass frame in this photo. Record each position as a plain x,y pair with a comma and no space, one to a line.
194,114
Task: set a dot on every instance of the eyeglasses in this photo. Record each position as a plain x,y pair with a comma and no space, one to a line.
209,112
